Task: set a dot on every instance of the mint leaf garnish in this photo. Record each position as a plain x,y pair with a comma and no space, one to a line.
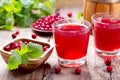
79,15
14,60
24,59
34,50
30,51
23,49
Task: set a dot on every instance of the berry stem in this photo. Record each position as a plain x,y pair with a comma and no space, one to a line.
110,75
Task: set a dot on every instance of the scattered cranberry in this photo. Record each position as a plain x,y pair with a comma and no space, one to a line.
109,69
69,14
107,61
17,32
77,70
57,69
34,35
14,35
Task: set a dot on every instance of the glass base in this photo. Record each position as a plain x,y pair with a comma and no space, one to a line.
71,63
103,53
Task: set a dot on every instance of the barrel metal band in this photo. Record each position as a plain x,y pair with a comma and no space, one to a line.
106,1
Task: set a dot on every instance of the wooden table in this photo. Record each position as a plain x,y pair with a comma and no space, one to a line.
94,68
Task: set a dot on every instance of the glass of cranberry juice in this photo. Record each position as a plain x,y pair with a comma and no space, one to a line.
71,38
106,31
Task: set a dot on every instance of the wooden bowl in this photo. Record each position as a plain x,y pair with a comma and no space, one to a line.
32,63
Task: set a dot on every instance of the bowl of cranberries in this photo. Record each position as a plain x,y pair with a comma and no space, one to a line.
17,44
44,24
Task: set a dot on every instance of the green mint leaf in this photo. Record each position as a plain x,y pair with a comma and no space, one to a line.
14,60
27,3
79,15
52,2
17,7
8,6
23,49
1,7
34,50
24,59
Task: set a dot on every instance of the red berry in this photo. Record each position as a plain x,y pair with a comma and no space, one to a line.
17,32
107,61
77,70
45,48
14,45
34,35
14,35
109,68
69,14
57,69
7,48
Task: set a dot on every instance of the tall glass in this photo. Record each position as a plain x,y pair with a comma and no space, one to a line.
71,41
106,31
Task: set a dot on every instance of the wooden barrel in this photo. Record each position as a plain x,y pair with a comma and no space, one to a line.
93,6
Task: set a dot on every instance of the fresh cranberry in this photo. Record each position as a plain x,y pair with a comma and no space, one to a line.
77,70
34,35
14,45
57,13
7,48
26,42
45,48
57,69
107,61
69,14
14,35
17,32
109,68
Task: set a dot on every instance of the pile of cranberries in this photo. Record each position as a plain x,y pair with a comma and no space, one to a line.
17,45
45,22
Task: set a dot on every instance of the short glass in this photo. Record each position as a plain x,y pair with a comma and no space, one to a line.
71,38
106,31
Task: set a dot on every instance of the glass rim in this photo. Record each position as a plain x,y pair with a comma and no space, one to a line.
87,27
99,13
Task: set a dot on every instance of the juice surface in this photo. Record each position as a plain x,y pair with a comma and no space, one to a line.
71,41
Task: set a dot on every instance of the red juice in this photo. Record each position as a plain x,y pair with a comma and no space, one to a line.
107,34
71,41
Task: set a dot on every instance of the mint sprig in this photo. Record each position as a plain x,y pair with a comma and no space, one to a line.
23,12
30,51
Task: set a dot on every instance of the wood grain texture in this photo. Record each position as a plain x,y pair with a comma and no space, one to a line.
89,10
115,7
102,7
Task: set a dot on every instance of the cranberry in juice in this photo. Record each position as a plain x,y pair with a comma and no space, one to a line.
107,34
71,41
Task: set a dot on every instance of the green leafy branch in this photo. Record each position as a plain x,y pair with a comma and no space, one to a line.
21,12
18,57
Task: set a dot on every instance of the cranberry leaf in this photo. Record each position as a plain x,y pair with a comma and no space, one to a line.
34,50
14,60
